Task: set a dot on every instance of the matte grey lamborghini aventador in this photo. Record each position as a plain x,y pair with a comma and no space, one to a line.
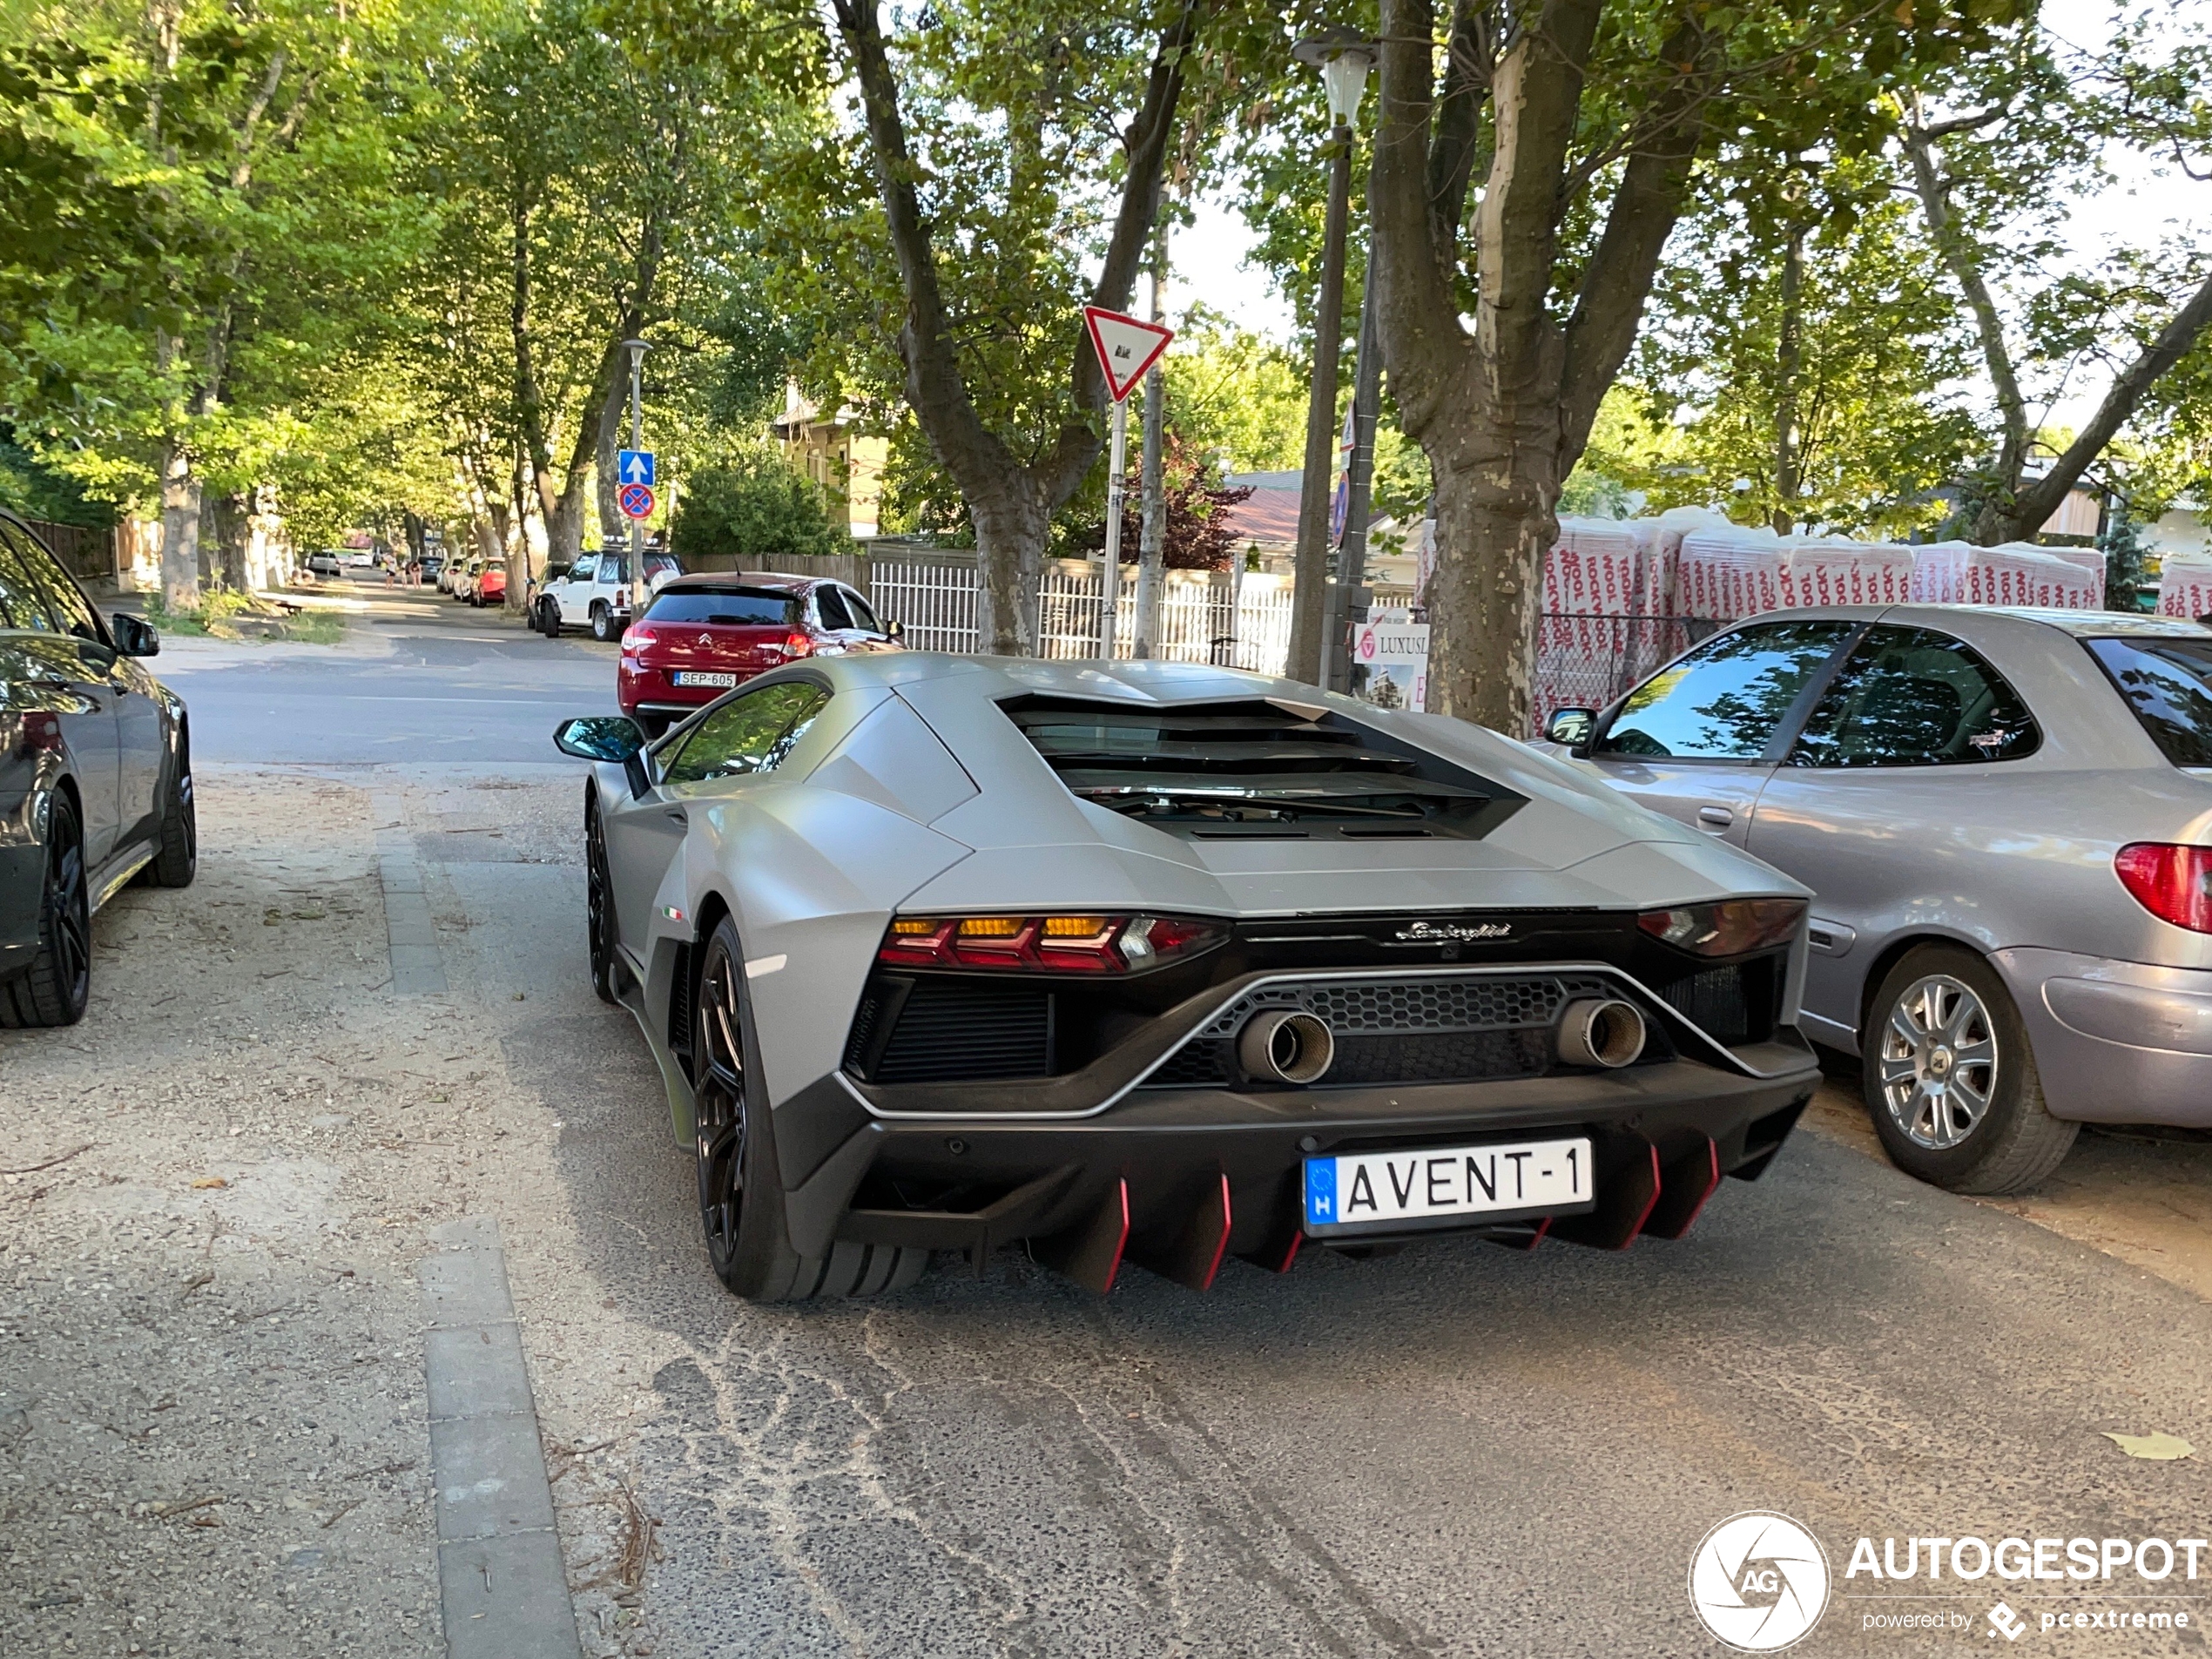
1160,963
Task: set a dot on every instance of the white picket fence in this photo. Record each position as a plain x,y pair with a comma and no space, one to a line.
1231,618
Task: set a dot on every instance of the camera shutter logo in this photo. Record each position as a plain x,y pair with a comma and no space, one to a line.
1759,1581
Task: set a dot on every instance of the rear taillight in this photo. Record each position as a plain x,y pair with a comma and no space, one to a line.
42,729
1052,944
797,644
636,639
2174,883
1728,928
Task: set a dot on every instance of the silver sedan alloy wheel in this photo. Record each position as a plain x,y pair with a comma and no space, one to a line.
1938,1062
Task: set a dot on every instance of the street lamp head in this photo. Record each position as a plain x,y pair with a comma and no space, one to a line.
1344,57
637,348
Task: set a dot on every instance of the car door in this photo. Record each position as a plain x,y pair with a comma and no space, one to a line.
140,749
1893,804
63,680
572,593
741,739
1698,739
867,629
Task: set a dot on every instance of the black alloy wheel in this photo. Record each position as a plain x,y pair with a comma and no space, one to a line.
59,981
599,905
741,1189
722,1129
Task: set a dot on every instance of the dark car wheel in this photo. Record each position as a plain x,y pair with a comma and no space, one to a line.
599,905
741,1192
603,624
1951,1080
59,981
179,859
549,618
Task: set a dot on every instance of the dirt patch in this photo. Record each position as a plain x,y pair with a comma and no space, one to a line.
2141,1194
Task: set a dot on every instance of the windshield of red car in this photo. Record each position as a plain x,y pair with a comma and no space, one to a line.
2168,684
737,607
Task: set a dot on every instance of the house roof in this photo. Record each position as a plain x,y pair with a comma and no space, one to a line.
1270,513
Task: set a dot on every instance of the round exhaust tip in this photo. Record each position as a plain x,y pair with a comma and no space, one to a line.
1602,1031
1285,1045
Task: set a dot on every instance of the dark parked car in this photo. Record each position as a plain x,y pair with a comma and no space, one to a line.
702,635
95,777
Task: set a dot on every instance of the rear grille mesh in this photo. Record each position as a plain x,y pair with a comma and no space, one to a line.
1427,1030
1486,1002
1715,1001
950,1032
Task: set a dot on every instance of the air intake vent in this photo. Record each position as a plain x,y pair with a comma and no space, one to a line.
951,1032
1730,1005
1218,770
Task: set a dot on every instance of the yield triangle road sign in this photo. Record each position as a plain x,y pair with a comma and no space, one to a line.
1126,345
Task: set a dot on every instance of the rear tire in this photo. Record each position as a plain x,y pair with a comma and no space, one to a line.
603,624
599,905
741,1191
179,859
59,981
1951,1080
549,618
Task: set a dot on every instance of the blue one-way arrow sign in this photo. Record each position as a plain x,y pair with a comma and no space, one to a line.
636,467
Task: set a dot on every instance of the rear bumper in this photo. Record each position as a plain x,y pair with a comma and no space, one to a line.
2116,1042
1186,1175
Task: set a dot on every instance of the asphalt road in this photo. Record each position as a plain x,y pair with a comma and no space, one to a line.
1454,1450
418,679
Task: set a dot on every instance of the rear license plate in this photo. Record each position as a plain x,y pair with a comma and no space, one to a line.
696,677
1358,1192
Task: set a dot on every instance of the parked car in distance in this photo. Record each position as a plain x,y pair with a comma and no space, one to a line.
593,593
324,563
2006,817
95,777
434,566
1159,962
489,586
465,579
356,559
702,635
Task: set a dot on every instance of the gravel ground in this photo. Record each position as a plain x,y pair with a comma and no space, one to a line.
212,1420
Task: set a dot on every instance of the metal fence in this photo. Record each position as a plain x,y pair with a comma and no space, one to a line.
1205,617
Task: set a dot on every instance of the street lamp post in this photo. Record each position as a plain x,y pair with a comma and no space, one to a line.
634,572
1344,59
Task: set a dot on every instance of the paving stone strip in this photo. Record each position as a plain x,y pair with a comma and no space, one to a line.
417,969
503,1592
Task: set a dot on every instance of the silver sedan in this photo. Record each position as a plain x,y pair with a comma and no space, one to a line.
2007,816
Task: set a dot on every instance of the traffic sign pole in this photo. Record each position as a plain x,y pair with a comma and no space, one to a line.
1126,348
1110,572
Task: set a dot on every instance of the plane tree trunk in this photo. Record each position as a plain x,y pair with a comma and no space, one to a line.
1503,409
1011,502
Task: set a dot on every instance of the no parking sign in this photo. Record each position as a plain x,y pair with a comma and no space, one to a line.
636,500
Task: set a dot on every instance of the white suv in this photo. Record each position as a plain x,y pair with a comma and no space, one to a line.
591,594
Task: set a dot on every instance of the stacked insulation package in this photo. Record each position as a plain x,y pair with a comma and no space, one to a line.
2185,585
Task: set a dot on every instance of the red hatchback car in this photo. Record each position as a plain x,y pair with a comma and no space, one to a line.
703,634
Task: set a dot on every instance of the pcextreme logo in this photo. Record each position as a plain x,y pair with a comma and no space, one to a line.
1759,1581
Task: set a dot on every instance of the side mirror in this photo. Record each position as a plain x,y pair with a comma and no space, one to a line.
134,636
607,737
1571,728
894,631
599,737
